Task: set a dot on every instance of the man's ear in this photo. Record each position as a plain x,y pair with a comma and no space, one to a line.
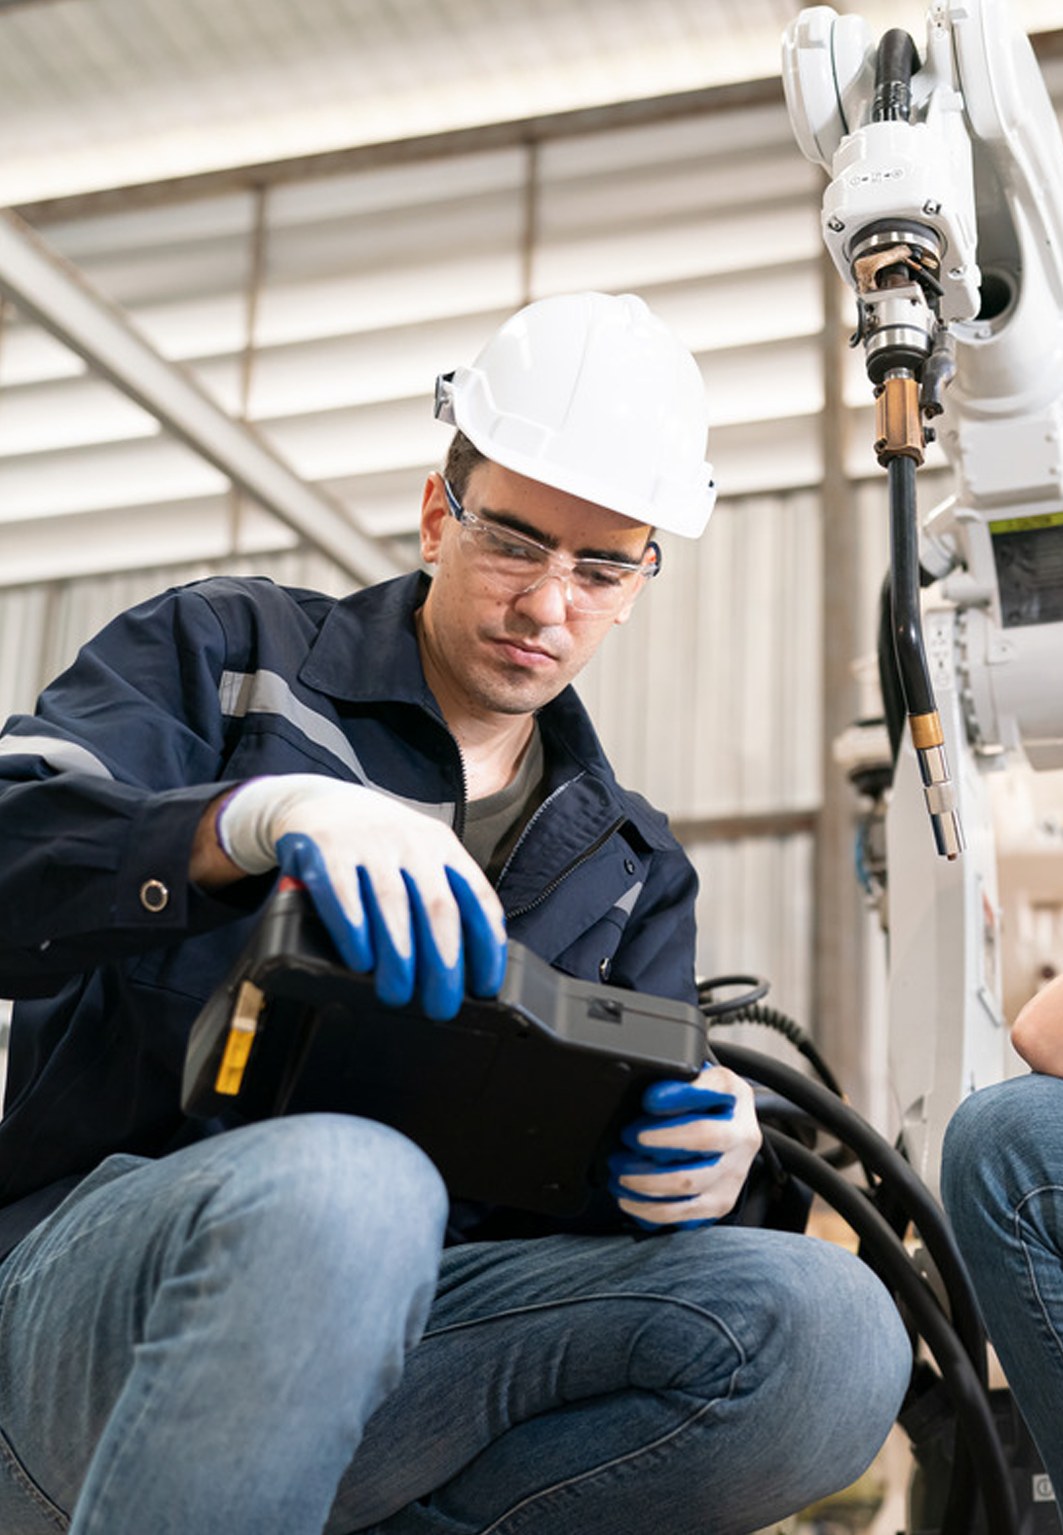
433,517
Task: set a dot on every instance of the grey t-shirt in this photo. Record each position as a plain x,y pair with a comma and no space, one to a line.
493,824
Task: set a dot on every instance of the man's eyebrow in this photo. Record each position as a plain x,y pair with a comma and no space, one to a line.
518,525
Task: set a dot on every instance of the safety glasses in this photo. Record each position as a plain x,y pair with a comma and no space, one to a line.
516,565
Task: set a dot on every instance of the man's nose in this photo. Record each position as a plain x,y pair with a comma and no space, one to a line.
547,599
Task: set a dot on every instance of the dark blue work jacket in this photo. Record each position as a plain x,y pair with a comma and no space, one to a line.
112,951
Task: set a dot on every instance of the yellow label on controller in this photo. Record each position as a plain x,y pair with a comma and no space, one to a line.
242,1029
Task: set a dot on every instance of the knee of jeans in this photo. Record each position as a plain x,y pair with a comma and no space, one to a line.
988,1129
311,1181
856,1388
967,1137
843,1332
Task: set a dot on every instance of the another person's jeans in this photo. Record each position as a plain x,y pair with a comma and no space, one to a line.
1002,1185
196,1346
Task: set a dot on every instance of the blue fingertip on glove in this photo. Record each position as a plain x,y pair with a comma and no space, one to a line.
395,974
485,952
440,987
628,1164
368,946
670,1097
481,962
666,1102
300,857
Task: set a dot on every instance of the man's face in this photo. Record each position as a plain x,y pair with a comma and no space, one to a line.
494,652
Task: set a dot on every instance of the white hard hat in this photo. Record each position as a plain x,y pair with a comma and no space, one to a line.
594,395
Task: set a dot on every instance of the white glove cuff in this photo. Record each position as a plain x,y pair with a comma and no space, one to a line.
245,822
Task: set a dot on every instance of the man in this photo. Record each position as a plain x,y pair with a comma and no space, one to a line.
1002,1184
267,1330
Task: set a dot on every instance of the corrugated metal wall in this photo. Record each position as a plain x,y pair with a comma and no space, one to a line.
322,309
710,701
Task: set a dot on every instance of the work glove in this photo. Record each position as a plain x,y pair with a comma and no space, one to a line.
396,890
685,1161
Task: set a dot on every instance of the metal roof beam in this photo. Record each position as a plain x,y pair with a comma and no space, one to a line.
57,296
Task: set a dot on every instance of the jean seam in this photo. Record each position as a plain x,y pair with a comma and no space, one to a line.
643,1449
580,1300
608,1465
1017,1216
36,1495
106,1480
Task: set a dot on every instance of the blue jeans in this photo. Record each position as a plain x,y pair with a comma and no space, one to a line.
261,1336
1002,1185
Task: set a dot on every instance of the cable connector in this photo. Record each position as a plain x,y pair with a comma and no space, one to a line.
898,424
938,788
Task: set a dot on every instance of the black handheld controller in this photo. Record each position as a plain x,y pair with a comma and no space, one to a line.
518,1099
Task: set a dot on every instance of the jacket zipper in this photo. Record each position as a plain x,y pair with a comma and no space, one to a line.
547,802
461,812
548,889
458,827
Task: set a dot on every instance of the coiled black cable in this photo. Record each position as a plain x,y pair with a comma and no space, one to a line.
983,1465
958,1345
772,1018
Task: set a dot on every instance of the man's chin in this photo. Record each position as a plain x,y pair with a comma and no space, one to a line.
517,692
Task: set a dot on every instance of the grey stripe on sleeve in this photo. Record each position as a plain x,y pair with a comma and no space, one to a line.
627,901
61,756
244,693
265,692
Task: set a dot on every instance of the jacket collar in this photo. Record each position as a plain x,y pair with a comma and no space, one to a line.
376,622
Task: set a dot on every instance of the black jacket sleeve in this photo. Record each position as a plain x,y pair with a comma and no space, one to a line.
101,791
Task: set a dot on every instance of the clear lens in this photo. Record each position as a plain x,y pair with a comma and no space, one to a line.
516,564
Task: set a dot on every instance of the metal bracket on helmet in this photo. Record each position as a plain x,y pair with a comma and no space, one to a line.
444,405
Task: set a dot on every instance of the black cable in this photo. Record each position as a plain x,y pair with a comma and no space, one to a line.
984,1464
888,674
895,63
772,1018
885,1162
907,612
745,1009
756,987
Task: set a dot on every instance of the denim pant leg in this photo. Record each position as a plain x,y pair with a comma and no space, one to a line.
1002,1185
706,1380
192,1346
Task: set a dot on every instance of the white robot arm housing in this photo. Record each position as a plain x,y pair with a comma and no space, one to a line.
944,213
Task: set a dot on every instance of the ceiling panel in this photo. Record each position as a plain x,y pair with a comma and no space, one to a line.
108,93
320,307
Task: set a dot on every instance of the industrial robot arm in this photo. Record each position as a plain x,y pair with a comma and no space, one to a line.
944,213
